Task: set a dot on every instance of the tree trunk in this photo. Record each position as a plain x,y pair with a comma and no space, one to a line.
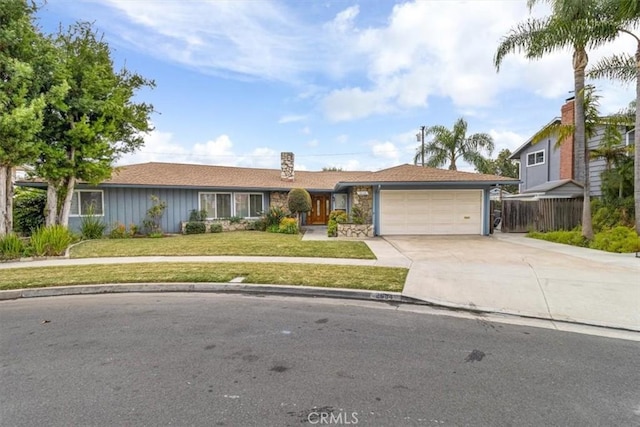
581,150
52,204
636,167
5,204
65,209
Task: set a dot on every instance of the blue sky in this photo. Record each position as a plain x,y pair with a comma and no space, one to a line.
339,83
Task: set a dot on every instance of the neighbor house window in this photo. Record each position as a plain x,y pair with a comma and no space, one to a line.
535,158
87,202
217,205
248,205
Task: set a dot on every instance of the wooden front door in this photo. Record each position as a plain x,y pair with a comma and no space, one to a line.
320,207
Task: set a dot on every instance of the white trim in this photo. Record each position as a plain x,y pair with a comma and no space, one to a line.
249,201
232,196
544,158
76,193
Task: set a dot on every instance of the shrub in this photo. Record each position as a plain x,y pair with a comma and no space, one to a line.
152,223
28,209
608,215
335,218
288,226
273,217
216,228
197,215
11,247
299,201
92,226
357,215
195,227
619,239
50,241
235,220
573,237
119,231
273,229
258,225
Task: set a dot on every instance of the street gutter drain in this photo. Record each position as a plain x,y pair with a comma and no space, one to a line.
239,279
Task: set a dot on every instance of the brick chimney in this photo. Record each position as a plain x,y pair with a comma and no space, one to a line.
566,147
286,167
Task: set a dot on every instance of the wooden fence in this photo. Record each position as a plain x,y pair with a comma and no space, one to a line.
520,216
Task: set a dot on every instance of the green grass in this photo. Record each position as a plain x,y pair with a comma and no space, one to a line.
249,243
334,276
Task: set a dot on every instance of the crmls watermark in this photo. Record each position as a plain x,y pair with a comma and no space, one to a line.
327,418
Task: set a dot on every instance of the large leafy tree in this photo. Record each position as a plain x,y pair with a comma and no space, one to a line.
624,67
96,122
501,166
578,25
23,52
447,146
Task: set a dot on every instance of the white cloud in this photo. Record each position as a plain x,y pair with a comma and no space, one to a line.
506,140
258,39
312,143
291,119
161,147
342,139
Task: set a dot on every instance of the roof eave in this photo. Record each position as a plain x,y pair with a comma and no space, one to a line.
342,185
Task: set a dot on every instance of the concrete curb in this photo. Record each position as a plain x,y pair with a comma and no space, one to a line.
307,291
285,290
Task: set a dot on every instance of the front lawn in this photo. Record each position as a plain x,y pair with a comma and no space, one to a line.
334,276
248,243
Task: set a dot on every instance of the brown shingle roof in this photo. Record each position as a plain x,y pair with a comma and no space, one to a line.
191,175
208,176
412,173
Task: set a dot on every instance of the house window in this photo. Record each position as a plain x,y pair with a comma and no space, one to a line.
87,202
535,158
217,205
248,205
226,205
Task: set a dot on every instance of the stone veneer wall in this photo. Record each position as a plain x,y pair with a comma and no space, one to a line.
226,225
364,202
287,172
278,199
355,230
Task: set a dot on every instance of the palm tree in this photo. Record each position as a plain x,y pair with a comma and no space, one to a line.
625,68
578,25
447,146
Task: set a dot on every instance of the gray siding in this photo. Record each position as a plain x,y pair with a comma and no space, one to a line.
550,171
129,206
568,189
597,166
532,176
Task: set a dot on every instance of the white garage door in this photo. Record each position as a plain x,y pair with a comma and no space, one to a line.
430,212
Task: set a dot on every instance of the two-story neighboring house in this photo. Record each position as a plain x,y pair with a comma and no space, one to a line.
548,170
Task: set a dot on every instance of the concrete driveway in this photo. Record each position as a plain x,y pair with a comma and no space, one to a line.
510,273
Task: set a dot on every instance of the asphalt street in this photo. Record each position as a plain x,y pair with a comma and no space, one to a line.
233,360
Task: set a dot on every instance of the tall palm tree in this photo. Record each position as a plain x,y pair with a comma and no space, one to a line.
447,146
578,25
625,68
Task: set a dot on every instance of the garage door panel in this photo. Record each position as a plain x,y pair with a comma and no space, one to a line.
431,212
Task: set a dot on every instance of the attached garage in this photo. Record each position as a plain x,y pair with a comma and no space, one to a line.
431,212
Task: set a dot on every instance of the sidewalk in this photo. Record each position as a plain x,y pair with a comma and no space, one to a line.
505,273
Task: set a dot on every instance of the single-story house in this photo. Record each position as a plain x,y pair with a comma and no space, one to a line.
405,199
